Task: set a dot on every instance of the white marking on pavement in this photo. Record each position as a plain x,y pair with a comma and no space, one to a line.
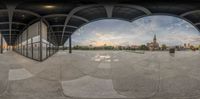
90,87
19,74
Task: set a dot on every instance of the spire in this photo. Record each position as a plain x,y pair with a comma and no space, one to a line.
154,38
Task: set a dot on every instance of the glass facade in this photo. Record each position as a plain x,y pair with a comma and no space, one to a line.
36,42
3,44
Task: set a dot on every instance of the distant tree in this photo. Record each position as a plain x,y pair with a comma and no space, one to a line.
163,47
128,48
199,47
76,47
192,47
120,47
143,47
108,47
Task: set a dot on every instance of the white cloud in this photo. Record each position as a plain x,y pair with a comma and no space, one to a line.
169,30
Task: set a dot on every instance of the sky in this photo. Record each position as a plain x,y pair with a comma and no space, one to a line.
169,30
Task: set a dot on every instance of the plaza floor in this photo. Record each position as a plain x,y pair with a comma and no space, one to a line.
101,74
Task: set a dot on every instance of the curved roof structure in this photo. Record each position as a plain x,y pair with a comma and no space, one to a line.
64,17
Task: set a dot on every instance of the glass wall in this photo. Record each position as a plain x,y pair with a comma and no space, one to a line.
35,42
3,44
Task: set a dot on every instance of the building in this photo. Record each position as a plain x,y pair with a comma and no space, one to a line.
153,45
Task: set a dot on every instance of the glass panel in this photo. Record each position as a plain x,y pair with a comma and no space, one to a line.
28,43
36,51
44,50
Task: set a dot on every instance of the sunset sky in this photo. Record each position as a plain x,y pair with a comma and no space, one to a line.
169,30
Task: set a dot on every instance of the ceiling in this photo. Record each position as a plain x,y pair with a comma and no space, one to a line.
66,17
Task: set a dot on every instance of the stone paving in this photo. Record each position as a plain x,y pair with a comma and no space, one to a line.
101,74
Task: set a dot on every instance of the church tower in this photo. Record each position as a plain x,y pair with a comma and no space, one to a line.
153,45
154,39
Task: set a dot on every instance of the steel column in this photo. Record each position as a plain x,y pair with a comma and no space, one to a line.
70,44
46,51
11,9
49,48
1,43
18,44
32,48
27,42
21,45
109,10
40,33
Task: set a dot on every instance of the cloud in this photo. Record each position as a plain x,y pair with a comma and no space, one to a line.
169,30
102,35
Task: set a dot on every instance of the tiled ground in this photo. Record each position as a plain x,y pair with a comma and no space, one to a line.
101,74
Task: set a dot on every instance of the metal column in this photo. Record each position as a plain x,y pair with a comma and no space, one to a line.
11,9
49,36
18,44
32,48
1,43
70,44
21,46
40,33
27,42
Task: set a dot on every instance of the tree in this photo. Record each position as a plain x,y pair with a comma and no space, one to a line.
164,47
199,47
192,47
143,47
120,47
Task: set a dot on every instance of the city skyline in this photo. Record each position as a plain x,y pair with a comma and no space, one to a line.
169,30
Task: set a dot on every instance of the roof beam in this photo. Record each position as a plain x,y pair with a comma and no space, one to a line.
11,9
19,23
63,26
65,15
8,30
2,23
141,8
72,12
27,25
189,12
57,25
3,10
197,23
55,15
62,32
59,36
72,26
12,23
109,10
49,26
81,18
27,12
49,16
9,34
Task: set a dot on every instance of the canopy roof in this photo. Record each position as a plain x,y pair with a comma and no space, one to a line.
66,17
